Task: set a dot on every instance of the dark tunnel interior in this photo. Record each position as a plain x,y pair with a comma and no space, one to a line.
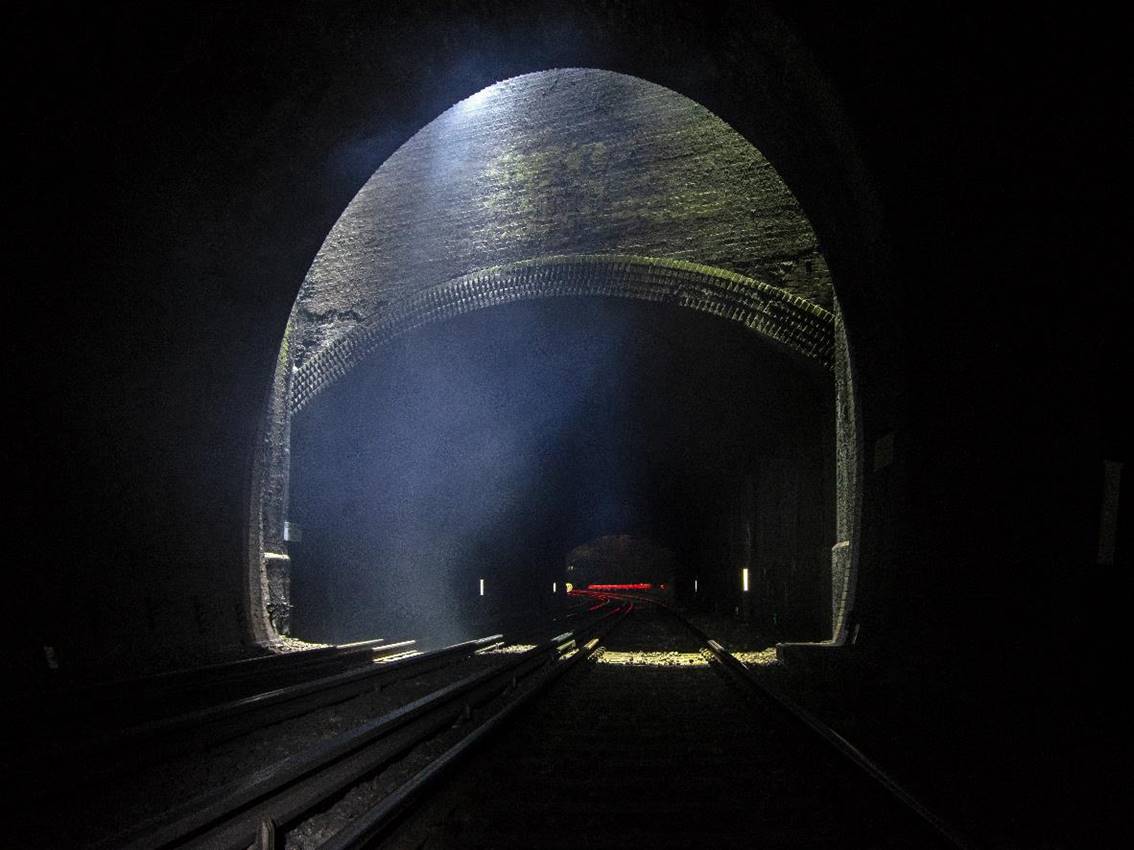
489,445
179,169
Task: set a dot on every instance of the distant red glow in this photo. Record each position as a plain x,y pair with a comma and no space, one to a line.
641,586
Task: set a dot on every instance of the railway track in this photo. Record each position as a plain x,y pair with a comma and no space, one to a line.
123,726
111,777
664,741
251,809
111,749
648,732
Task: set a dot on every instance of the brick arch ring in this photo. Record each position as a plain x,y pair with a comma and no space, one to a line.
788,319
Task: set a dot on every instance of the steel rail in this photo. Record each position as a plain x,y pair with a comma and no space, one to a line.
737,672
525,635
113,704
229,818
186,677
382,817
216,724
260,676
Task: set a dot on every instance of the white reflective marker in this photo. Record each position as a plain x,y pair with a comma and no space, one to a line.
482,587
694,585
744,578
553,585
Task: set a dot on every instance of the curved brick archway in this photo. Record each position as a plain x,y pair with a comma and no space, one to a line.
785,318
580,169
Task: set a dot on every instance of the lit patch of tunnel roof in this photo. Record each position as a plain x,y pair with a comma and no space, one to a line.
556,163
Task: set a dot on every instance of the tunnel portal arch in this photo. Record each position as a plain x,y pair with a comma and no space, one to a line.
560,182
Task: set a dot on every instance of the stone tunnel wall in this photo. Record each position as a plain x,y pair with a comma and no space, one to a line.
779,524
175,181
788,321
207,182
561,162
616,185
477,445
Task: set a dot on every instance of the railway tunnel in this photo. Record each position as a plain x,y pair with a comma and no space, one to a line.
585,401
371,322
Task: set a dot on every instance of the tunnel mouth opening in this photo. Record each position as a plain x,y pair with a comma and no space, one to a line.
440,483
332,340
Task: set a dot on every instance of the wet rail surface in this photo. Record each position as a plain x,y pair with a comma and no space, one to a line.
647,745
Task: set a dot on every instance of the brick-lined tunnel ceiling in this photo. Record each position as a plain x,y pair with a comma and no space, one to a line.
561,162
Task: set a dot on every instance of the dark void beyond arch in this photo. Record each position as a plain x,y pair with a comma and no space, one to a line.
564,182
